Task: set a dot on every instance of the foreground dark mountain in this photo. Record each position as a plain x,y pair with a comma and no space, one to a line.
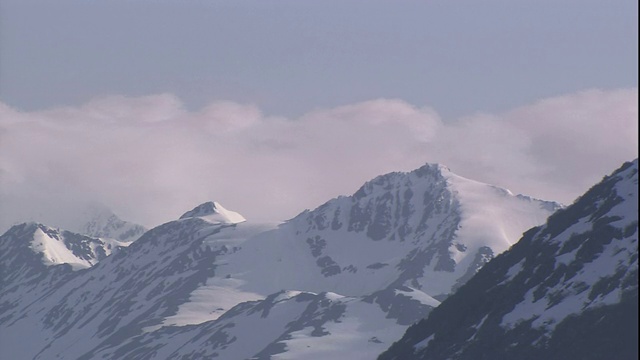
566,290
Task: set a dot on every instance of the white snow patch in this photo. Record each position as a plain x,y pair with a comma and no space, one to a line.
286,295
513,271
214,213
55,252
224,216
209,302
493,216
424,343
333,296
362,333
478,326
419,296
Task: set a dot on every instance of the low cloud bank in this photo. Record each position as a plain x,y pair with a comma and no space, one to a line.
150,160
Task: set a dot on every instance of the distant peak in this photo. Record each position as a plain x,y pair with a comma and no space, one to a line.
434,172
215,213
208,208
431,168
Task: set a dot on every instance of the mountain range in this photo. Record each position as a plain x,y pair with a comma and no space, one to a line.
345,280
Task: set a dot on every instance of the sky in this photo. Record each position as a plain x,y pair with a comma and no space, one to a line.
152,107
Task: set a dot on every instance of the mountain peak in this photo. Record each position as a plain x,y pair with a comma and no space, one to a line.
431,168
100,221
54,246
214,212
383,183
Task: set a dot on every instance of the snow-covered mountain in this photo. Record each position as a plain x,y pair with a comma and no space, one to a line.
35,259
99,221
91,219
345,278
566,290
32,247
428,229
214,213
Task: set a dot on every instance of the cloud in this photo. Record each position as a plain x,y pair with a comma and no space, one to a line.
555,148
150,159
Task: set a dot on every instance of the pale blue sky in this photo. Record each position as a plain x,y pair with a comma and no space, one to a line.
289,57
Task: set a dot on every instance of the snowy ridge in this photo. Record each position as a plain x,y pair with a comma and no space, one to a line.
568,289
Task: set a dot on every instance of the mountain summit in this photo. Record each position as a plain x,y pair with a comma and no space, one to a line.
213,212
99,221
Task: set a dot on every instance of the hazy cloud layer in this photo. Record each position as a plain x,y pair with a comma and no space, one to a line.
150,159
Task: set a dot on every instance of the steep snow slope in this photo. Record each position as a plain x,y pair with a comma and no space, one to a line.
568,289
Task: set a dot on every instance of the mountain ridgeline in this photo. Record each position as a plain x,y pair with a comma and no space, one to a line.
345,280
